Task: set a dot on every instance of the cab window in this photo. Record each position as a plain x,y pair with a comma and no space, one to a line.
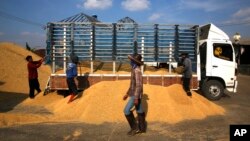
223,51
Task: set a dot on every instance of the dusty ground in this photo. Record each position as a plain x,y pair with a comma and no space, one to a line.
96,114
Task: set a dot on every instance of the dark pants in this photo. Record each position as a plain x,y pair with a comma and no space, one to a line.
72,86
34,85
186,83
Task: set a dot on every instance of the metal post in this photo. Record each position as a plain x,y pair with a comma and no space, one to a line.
91,51
64,48
114,65
135,38
197,53
53,60
92,48
176,54
142,48
142,53
114,47
91,66
49,42
170,56
156,43
170,51
72,38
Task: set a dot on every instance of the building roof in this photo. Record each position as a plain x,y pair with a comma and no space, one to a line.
81,17
126,20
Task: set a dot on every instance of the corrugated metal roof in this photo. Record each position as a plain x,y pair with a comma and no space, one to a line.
81,17
126,20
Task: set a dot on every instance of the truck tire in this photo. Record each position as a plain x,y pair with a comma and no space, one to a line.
213,90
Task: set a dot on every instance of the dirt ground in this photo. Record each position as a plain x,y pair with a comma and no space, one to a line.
211,128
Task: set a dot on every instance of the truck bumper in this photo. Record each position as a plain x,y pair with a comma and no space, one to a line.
233,88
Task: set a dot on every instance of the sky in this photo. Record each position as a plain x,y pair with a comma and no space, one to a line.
23,21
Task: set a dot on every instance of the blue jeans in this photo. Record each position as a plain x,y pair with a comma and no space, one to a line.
130,105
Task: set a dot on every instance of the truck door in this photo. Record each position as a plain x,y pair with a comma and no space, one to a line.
223,63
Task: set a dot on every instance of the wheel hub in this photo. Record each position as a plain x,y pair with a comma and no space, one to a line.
214,90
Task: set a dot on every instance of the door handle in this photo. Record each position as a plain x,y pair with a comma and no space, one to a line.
215,66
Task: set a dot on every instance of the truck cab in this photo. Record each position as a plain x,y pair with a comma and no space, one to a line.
216,58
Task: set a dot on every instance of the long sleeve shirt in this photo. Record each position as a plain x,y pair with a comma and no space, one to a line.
32,69
71,71
136,83
187,73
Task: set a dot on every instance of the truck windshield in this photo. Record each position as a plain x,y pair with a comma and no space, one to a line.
223,51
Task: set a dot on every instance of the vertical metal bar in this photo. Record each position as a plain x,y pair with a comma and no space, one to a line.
114,65
197,53
49,42
72,38
114,47
196,41
142,48
93,41
64,47
92,48
170,58
91,66
114,42
135,38
176,54
156,42
53,60
170,51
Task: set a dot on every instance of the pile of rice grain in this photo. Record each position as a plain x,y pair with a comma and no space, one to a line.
103,103
13,70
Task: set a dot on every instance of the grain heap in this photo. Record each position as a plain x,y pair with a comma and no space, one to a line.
13,68
103,103
14,84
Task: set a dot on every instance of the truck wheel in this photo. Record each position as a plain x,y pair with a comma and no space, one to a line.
213,90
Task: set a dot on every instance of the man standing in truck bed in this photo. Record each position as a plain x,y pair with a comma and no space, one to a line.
187,72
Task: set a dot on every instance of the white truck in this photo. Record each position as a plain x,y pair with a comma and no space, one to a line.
216,62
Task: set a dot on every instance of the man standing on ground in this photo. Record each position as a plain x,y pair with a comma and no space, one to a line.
33,75
135,93
71,73
187,72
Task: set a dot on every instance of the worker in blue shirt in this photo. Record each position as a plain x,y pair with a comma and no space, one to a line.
71,73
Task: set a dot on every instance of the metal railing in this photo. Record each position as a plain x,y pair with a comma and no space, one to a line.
107,42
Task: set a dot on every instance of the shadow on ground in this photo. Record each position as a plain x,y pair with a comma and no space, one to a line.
8,100
212,128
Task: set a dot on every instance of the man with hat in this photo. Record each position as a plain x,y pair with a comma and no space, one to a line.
135,93
187,72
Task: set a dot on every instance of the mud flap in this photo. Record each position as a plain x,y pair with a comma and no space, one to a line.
235,86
